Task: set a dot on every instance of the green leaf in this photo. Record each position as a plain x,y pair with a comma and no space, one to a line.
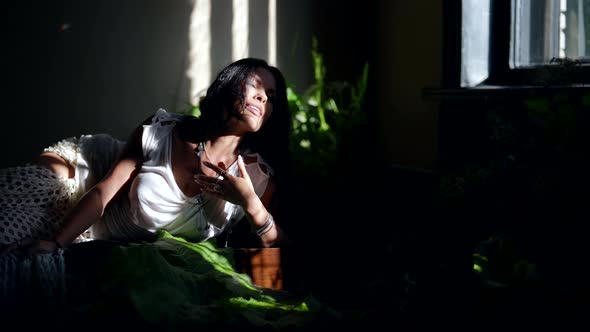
538,104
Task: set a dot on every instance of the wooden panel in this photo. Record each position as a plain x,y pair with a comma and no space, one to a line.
263,265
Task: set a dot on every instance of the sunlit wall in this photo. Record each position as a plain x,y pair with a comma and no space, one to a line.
252,33
79,67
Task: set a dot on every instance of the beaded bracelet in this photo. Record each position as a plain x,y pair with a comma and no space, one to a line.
266,227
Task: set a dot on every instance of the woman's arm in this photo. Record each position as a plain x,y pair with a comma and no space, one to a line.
240,191
92,205
258,212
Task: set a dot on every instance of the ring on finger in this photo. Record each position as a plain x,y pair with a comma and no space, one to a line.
217,188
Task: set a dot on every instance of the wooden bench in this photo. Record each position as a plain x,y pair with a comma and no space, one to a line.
263,265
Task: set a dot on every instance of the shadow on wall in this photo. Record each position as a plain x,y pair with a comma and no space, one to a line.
80,67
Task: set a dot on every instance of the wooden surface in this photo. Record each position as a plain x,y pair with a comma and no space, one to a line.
263,265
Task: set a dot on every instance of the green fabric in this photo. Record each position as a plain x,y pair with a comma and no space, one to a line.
172,281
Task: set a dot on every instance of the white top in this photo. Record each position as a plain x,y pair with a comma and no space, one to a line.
90,155
156,201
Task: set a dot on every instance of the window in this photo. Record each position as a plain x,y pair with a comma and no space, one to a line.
543,30
510,42
475,41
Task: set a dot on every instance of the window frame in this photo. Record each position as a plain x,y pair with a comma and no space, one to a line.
500,73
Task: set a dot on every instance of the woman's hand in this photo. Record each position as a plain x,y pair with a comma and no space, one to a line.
31,247
234,189
239,190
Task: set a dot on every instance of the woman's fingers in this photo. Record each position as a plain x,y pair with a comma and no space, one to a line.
204,179
215,168
234,189
242,168
209,184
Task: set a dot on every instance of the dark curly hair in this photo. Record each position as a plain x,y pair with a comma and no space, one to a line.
272,140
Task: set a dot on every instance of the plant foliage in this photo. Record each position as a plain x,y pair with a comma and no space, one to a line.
324,116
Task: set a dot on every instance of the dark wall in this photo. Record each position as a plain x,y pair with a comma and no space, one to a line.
79,67
27,39
88,67
346,36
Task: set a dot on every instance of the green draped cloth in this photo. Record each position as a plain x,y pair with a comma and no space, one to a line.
174,283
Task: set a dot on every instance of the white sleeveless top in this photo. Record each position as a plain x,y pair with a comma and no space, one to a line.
156,201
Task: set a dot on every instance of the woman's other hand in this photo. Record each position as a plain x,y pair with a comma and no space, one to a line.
31,247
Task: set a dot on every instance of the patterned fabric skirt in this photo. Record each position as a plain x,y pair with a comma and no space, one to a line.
33,202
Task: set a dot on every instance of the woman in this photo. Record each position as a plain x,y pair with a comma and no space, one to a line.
179,182
192,177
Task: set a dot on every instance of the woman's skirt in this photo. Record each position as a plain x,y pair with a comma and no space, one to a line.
33,202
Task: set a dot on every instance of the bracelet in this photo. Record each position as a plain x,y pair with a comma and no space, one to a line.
266,227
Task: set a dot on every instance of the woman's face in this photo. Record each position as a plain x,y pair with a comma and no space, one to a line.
259,96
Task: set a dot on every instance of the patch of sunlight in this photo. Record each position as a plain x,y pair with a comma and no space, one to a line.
272,32
239,28
199,69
